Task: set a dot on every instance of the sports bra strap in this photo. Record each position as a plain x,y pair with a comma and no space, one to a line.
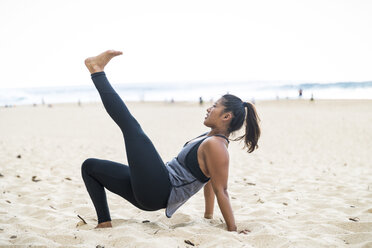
195,138
204,134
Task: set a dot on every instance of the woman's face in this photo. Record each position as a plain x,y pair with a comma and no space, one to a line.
214,114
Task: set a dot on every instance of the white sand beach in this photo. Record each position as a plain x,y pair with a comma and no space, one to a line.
309,183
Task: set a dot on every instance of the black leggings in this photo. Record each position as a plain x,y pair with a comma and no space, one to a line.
145,182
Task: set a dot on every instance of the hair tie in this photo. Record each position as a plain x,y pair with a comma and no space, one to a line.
245,104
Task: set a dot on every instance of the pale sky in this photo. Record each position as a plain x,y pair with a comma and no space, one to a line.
44,43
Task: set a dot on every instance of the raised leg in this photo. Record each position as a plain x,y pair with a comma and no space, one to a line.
149,176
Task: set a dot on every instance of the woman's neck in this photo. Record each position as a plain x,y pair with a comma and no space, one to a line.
218,131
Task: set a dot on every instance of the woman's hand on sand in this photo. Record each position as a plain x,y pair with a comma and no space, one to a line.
208,216
244,231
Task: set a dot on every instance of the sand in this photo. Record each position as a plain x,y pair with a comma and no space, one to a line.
308,185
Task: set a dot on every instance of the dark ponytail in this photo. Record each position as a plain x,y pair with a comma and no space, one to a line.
243,110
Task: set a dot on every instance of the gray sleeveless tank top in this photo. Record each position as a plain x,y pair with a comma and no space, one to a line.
184,184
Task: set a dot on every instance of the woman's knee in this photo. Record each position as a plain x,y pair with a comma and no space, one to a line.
88,165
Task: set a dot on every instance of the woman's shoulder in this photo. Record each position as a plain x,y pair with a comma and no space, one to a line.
214,144
214,153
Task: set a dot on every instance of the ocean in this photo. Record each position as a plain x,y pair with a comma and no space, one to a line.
249,91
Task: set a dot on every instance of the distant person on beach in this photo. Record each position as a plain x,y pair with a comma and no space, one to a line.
201,102
147,182
300,93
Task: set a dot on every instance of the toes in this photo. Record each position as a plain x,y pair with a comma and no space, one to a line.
114,53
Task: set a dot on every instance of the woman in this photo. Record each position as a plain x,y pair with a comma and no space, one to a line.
147,182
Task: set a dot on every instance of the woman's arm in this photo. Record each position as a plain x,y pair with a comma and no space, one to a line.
209,200
216,158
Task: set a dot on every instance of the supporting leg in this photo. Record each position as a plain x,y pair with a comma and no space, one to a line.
99,174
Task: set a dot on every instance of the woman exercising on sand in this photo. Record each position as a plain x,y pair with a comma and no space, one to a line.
147,182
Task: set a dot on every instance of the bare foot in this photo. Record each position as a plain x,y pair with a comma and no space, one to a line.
98,63
104,225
